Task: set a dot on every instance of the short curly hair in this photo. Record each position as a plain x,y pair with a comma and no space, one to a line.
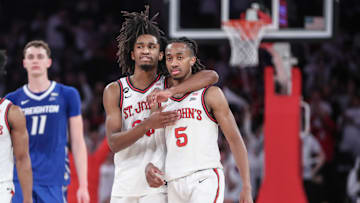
135,25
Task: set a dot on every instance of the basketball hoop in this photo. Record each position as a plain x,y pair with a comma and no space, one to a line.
245,37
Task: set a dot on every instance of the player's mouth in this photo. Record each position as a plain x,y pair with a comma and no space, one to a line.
145,59
35,67
175,71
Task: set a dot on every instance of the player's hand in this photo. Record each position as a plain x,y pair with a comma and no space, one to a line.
153,174
161,119
151,98
82,195
154,107
158,96
245,196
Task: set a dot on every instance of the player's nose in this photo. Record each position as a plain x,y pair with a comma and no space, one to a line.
145,50
174,63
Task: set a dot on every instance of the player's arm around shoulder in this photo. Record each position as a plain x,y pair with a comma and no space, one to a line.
195,82
216,102
20,142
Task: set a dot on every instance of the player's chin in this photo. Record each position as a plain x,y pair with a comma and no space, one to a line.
176,77
147,66
36,73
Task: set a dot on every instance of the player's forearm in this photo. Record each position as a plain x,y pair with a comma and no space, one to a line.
195,82
78,148
80,157
121,140
239,151
23,167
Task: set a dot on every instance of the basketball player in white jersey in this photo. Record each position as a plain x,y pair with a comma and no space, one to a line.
133,134
192,168
14,141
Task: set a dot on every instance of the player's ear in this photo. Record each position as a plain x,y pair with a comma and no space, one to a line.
161,55
193,60
49,63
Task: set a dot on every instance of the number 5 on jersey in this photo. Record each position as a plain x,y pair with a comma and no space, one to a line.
37,127
180,136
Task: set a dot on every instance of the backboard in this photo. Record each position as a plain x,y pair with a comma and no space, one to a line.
291,19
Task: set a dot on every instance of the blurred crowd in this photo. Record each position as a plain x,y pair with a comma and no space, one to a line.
82,36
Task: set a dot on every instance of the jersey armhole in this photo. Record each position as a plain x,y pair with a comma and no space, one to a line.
121,94
6,117
204,105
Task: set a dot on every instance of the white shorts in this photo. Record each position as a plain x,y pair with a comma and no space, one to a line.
202,186
158,198
7,191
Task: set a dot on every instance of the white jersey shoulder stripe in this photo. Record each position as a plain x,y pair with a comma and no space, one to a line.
9,103
204,105
6,116
121,93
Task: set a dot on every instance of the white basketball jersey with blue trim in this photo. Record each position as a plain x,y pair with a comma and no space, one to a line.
192,143
130,163
6,150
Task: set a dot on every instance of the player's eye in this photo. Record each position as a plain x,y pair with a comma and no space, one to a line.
30,56
40,56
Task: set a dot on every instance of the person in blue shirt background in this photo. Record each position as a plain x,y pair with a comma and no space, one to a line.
52,111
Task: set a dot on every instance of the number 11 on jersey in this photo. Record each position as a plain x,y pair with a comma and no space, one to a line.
38,128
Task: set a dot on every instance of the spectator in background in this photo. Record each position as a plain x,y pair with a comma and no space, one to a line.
353,183
106,179
351,130
313,158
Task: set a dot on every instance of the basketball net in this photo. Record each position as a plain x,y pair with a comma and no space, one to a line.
245,37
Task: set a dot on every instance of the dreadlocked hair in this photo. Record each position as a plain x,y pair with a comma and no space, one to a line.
192,45
3,60
135,25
